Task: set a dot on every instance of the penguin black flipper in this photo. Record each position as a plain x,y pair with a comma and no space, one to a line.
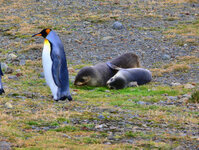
59,67
1,85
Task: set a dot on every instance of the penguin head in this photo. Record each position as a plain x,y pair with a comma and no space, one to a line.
43,33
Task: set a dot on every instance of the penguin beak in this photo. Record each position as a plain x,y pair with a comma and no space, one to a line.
38,34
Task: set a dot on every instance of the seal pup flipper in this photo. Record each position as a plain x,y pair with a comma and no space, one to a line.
133,84
112,66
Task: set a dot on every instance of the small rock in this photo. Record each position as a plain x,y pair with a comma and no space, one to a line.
66,136
12,56
22,62
100,126
4,145
172,97
141,103
189,86
117,25
175,84
13,77
9,70
4,66
107,143
71,70
130,141
18,70
187,95
6,69
107,38
111,138
166,57
8,105
65,122
74,93
179,148
42,75
101,117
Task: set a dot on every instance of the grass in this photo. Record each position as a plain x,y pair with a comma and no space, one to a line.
194,97
37,122
51,121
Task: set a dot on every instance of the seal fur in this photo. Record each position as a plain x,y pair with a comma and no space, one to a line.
125,77
100,73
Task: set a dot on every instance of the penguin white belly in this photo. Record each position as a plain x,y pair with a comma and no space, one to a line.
47,66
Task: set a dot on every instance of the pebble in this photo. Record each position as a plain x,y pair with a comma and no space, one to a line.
71,70
18,70
189,86
12,56
42,75
172,97
175,84
100,126
6,69
107,38
166,57
66,136
101,117
187,95
22,62
13,77
4,66
141,103
179,148
5,145
8,105
117,25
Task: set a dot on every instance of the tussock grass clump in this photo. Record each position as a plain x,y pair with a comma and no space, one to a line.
194,97
170,68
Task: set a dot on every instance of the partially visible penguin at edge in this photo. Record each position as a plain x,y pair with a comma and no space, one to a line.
1,85
100,73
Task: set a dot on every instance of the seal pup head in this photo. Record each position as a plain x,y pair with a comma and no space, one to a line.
86,76
116,82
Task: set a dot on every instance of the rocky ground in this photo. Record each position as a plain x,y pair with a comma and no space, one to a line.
163,34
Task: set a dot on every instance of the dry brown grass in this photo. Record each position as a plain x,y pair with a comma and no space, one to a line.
170,68
181,1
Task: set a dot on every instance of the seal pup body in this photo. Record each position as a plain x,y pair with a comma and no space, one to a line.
100,73
1,85
124,78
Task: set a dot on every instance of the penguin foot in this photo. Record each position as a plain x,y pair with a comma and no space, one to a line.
2,91
64,98
70,98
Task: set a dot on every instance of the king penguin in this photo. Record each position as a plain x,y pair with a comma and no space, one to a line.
1,85
55,65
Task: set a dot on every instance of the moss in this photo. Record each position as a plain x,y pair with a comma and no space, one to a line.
66,129
194,97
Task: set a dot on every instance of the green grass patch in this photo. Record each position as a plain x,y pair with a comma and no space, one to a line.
194,97
66,129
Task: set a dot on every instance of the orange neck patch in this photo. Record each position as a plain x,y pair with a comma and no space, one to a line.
48,31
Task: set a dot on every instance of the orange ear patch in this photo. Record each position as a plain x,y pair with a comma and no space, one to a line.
48,31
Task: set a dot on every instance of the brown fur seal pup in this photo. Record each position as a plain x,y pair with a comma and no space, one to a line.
99,74
125,77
